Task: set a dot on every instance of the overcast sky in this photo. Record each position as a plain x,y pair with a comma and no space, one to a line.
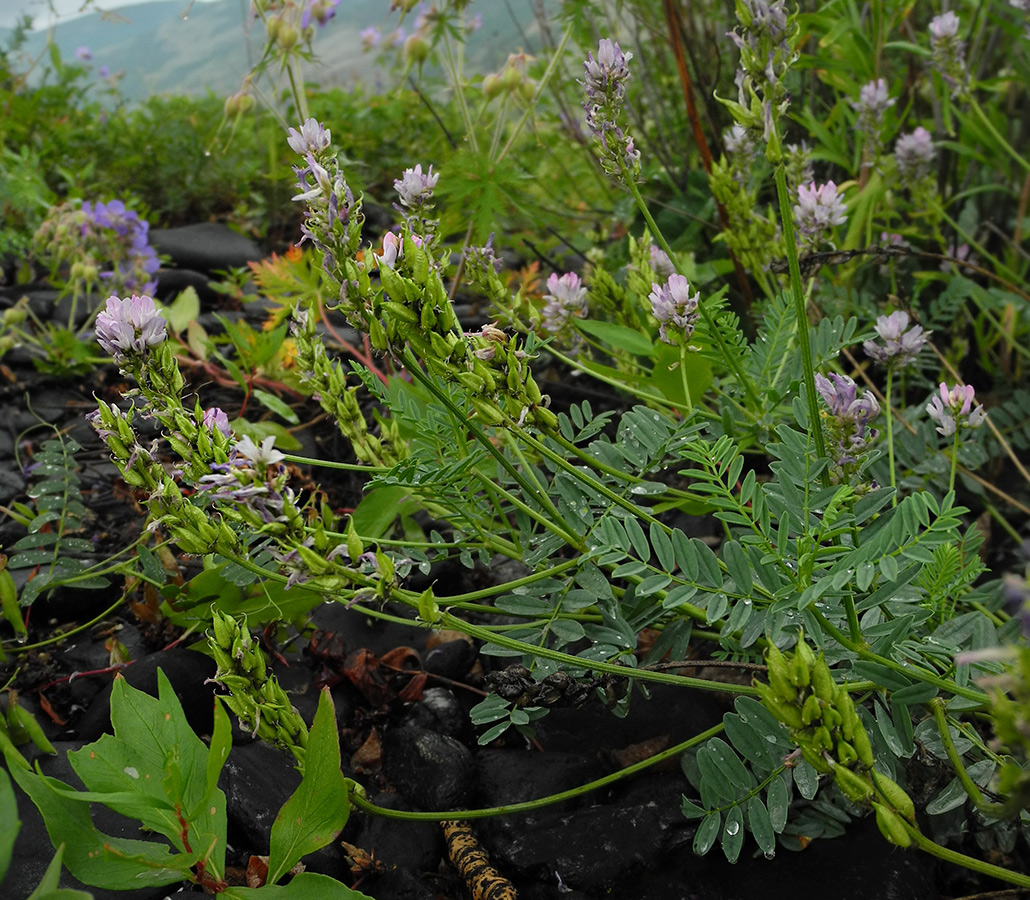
48,12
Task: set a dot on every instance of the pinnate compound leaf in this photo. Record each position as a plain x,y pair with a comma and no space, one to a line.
306,886
319,808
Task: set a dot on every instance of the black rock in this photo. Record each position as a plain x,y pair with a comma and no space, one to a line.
186,670
440,711
205,247
417,846
12,486
517,776
170,282
257,780
451,659
433,771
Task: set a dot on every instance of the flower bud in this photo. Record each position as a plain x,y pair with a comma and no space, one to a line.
493,85
512,78
287,37
14,315
416,49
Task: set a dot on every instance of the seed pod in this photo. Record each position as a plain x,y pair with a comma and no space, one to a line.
895,795
891,826
853,786
846,754
787,713
812,711
822,739
862,746
848,715
400,312
816,760
832,718
427,317
822,681
779,674
800,671
9,602
21,720
428,610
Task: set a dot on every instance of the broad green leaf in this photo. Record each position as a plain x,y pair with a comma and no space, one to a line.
93,857
807,780
279,407
954,795
777,800
9,822
707,833
154,766
306,886
183,310
318,809
49,885
667,377
618,336
751,745
377,510
219,747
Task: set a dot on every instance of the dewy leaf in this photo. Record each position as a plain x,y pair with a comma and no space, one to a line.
319,808
9,818
306,886
91,856
155,756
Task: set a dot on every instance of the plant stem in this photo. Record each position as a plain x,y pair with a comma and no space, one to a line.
361,803
960,859
890,434
683,376
954,462
791,249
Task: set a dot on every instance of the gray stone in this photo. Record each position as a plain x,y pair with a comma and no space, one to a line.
205,247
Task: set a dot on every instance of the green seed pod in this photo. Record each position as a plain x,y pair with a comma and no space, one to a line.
891,826
222,626
23,722
845,706
863,747
354,545
816,760
831,717
895,795
493,85
779,674
787,713
822,739
800,670
853,786
822,681
400,312
428,611
846,754
427,317
812,711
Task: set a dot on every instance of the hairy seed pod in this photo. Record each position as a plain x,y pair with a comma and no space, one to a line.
895,795
812,711
816,760
800,671
787,713
891,826
779,674
846,754
852,785
822,681
822,739
862,746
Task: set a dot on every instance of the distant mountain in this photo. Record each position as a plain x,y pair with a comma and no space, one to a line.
160,51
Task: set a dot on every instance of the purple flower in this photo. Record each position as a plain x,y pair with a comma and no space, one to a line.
103,72
818,209
849,417
954,408
566,297
84,53
914,154
605,85
901,346
948,52
871,106
672,304
311,138
216,419
393,249
319,11
414,188
660,262
371,37
130,326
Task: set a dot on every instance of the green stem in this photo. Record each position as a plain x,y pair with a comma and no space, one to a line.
970,786
890,434
791,248
1005,145
960,859
954,461
916,672
297,88
452,71
485,634
683,377
362,803
728,356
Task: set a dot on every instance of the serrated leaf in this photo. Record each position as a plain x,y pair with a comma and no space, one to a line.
319,808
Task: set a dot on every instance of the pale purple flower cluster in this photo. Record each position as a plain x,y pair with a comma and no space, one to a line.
741,150
954,408
133,260
850,415
948,50
322,186
901,344
371,38
660,262
566,298
414,188
763,40
871,106
797,160
914,154
130,327
672,304
252,477
84,53
818,210
605,84
393,249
